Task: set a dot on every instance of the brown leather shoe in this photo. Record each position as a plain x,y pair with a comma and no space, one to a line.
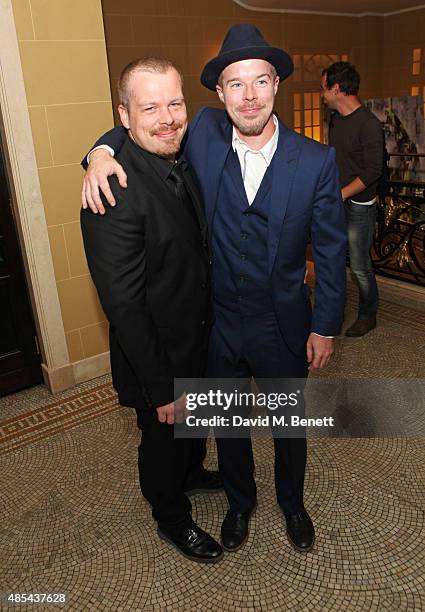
360,328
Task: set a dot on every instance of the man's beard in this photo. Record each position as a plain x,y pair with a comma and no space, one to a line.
169,148
250,127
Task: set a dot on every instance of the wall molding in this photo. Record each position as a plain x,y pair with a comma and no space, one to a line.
58,379
329,13
29,210
91,367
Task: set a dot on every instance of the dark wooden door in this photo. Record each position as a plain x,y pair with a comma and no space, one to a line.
19,357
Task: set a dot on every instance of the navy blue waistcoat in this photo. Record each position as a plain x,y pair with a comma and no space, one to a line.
239,243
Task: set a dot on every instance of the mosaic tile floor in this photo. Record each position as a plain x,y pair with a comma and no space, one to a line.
73,520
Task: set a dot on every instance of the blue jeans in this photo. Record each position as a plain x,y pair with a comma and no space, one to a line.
360,224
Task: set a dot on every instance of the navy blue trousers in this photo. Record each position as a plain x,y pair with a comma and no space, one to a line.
241,347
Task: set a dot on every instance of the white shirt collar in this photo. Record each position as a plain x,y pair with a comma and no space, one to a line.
267,151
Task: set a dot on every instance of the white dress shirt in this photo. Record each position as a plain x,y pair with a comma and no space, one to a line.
254,163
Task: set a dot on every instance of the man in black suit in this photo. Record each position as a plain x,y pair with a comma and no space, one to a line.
149,260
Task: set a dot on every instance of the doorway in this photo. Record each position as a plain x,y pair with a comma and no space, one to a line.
20,363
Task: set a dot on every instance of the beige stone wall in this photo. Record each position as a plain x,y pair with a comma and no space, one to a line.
62,48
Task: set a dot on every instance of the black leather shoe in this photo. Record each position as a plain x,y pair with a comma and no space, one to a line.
234,530
210,483
300,531
194,544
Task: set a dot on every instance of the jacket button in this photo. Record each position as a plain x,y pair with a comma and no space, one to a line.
203,323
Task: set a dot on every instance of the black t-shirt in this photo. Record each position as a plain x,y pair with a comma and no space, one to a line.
359,143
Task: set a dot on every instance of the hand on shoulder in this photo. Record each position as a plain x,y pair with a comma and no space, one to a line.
101,165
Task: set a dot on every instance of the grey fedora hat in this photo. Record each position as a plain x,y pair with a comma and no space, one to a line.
244,41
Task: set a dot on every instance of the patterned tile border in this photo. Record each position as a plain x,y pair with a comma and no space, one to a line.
56,417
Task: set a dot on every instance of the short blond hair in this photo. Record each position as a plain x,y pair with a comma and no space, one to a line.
159,65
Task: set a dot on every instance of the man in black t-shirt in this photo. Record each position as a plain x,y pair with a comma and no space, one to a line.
358,139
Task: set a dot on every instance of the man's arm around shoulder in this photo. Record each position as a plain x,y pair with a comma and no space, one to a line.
112,140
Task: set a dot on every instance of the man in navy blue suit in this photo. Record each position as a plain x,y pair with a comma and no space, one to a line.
266,190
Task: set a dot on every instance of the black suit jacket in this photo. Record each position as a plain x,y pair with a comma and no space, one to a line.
150,264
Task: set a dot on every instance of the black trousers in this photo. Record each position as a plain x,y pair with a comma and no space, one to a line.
241,347
167,467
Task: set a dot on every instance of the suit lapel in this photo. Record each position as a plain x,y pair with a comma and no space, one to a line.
284,166
234,168
196,198
217,153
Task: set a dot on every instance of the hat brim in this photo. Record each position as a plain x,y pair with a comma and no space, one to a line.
277,57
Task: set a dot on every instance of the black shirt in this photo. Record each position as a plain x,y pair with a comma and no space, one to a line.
161,165
359,143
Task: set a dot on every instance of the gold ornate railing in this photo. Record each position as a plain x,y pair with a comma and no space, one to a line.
399,240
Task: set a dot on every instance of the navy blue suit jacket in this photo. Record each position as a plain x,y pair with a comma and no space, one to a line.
305,203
